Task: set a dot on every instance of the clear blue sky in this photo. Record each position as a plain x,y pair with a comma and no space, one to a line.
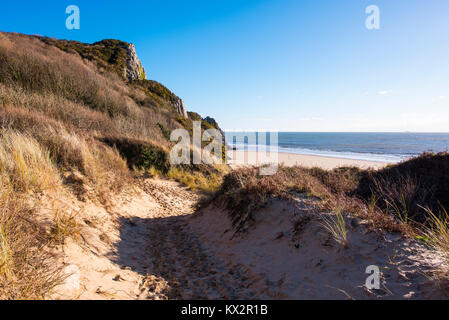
291,65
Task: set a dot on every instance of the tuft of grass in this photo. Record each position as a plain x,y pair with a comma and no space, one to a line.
336,226
208,182
64,226
436,234
105,167
27,266
27,164
400,208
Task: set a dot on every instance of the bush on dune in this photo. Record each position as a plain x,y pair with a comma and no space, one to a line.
391,198
244,191
200,177
140,154
407,187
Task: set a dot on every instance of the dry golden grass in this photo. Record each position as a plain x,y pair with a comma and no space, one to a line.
55,110
208,182
104,166
61,120
44,69
27,266
75,150
64,87
26,163
64,226
244,191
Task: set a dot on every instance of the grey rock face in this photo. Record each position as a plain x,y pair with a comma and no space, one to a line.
180,108
134,69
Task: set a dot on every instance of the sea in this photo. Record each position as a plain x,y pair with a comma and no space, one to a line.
382,147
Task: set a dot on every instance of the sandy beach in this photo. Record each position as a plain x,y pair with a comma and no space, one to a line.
291,159
95,206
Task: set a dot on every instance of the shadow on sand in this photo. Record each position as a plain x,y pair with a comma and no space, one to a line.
163,250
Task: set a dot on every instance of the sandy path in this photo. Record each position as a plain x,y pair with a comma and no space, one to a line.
144,249
156,246
178,256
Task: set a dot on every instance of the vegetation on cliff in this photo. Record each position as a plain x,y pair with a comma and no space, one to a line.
71,120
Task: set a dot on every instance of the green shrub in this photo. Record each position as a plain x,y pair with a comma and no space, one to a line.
108,54
158,89
140,154
164,130
194,116
422,181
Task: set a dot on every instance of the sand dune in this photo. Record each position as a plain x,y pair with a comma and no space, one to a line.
284,261
155,245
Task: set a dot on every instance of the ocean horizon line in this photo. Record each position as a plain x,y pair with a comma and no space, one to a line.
383,147
380,132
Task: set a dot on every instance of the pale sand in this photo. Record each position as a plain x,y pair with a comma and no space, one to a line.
153,244
291,159
287,253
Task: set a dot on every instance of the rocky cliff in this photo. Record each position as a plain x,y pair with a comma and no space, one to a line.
152,87
179,106
134,69
121,58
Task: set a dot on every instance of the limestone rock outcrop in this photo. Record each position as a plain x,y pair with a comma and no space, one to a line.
180,108
134,69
